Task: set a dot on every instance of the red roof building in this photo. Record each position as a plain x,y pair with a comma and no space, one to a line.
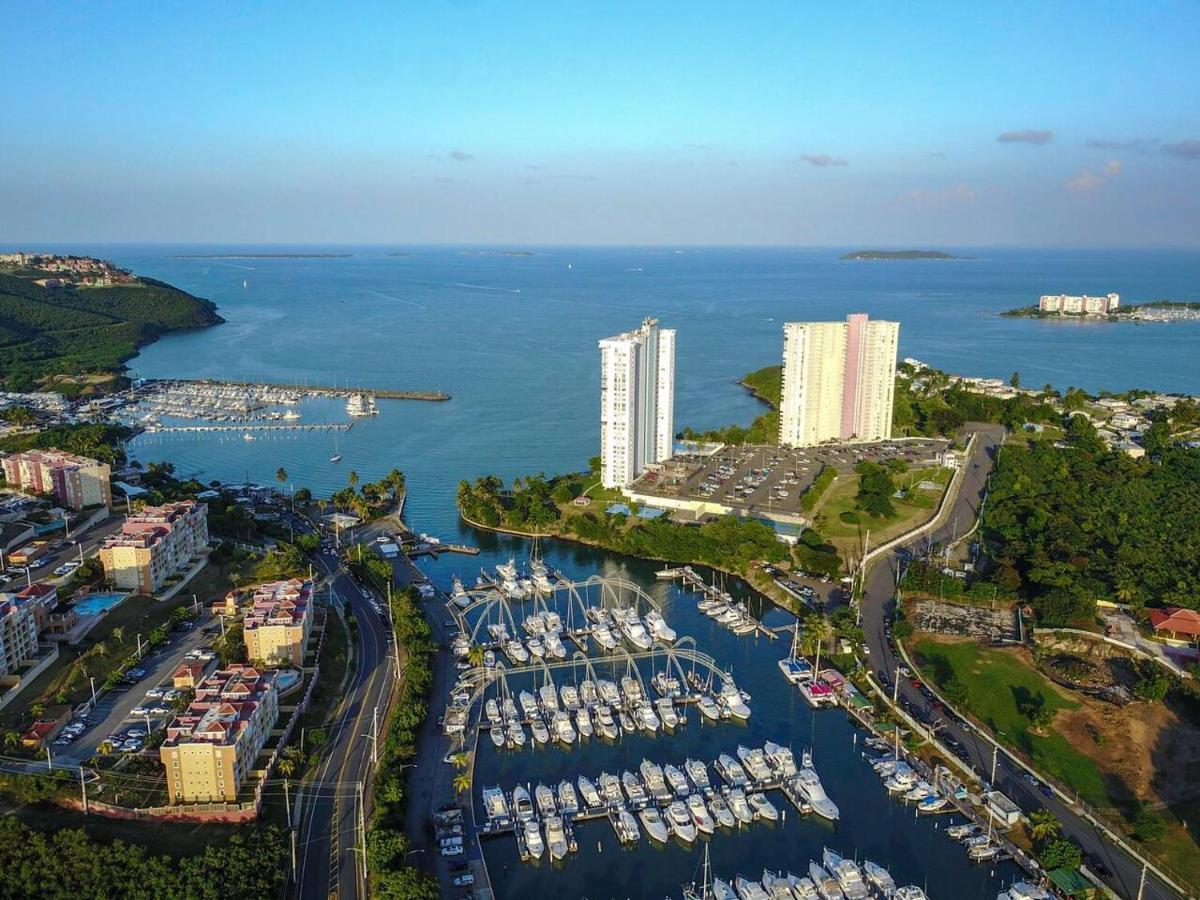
1176,622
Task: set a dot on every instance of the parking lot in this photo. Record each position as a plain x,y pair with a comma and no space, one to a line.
771,479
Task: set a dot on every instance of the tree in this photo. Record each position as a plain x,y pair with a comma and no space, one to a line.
281,474
1059,853
353,478
118,634
1015,379
12,739
286,766
1147,826
459,760
302,496
1045,825
462,782
476,655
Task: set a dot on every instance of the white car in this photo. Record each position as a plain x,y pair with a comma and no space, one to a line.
464,880
140,711
155,694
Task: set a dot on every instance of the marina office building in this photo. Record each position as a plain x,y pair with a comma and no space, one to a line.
838,381
637,402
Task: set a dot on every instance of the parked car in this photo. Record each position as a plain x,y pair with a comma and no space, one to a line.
464,880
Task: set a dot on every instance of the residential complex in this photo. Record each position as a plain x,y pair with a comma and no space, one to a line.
838,381
18,633
211,748
1079,306
637,401
278,622
74,481
154,544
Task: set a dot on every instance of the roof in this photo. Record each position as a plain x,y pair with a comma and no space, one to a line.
1070,882
1176,619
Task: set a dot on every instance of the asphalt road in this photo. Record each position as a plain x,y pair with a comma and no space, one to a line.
1010,778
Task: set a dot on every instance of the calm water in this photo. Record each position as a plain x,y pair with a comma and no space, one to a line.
513,338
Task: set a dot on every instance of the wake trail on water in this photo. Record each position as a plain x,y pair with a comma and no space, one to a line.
485,287
415,303
235,266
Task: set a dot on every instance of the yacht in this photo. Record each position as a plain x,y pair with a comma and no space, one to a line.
741,809
697,771
516,652
634,789
810,785
604,637
658,627
847,873
958,832
498,632
653,822
568,800
802,887
827,886
781,759
880,877
910,892
608,692
748,889
563,729
647,719
631,690
1023,890
529,704
626,827
587,790
533,839
635,632
522,805
610,789
587,692
570,696
537,727
508,708
583,722
680,820
932,804
549,698
708,707
626,720
534,624
496,732
721,811
700,814
554,623
755,763
733,700
677,780
919,791
515,734
507,571
666,684
719,890
652,775
605,723
666,712
554,645
536,647
544,799
776,886
729,769
495,805
556,837
762,807
492,710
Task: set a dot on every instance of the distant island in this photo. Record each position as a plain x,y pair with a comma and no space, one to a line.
900,254
262,256
1153,311
69,323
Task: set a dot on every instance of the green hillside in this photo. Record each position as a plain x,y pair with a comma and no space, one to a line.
61,331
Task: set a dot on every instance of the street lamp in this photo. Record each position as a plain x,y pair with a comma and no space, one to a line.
93,682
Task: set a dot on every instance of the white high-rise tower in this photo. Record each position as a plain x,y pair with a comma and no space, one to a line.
637,401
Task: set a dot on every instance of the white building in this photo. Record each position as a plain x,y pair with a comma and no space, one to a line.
839,381
1079,306
637,401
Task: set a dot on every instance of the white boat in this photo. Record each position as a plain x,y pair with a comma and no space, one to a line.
631,690
533,839
507,571
911,892
605,723
522,805
516,652
847,873
802,887
529,704
556,837
570,696
719,890
697,771
700,814
810,785
919,791
652,776
708,707
827,886
583,722
958,832
568,800
733,701
740,808
666,712
680,820
534,624
608,692
647,719
658,627
540,732
984,852
754,762
932,804
781,759
492,710
730,770
776,886
508,708
549,697
563,729
749,889
587,790
554,623
495,805
667,685
626,827
554,645
587,692
721,811
498,632
626,720
676,780
762,807
515,734
536,647
635,632
544,799
880,877
634,789
652,822
496,732
610,789
1023,890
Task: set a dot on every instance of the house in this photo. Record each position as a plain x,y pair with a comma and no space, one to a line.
190,673
41,733
1176,624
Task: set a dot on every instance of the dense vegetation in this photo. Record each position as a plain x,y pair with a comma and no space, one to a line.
68,863
102,442
930,402
71,331
367,499
767,385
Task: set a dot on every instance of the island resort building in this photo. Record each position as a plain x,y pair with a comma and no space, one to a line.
154,544
1079,306
838,381
74,481
637,402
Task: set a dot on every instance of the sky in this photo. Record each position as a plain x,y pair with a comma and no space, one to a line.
791,123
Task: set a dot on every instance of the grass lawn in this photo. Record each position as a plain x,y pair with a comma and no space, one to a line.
841,497
999,685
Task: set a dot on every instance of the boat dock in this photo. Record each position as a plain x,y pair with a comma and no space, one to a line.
714,594
253,425
315,390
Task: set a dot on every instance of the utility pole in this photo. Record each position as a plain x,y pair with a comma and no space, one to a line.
995,754
1142,883
375,736
288,803
83,788
362,831
49,761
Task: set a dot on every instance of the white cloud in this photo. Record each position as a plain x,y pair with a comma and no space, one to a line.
1088,180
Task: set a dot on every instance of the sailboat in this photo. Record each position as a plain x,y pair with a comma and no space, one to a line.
337,454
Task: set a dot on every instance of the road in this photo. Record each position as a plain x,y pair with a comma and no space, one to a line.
69,551
330,836
1010,778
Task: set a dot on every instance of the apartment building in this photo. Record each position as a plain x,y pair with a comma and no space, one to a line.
637,401
1064,304
154,544
18,633
211,748
839,381
74,481
278,622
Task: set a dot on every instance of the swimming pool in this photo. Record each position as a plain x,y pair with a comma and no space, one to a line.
94,604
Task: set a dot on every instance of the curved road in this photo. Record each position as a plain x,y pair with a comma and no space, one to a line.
1010,779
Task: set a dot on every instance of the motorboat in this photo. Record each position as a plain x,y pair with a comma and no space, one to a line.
534,624
731,697
666,685
529,704
508,708
919,791
554,646
827,886
755,763
544,798
676,780
730,770
522,805
556,837
626,720
498,632
587,692
541,733
740,807
533,839
496,732
802,887
605,723
910,892
494,804
749,889
652,822
563,729
549,697
721,811
814,792
880,877
610,789
700,814
776,886
587,790
598,614
680,820
536,647
634,789
666,712
492,710
647,719
719,890
554,622
583,722
608,692
762,807
958,832
626,827
1023,890
932,804
658,627
507,571
781,759
631,690
516,652
708,707
697,772
847,873
635,632
515,734
570,696
652,776
568,800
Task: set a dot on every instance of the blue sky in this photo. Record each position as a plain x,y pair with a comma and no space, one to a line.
755,123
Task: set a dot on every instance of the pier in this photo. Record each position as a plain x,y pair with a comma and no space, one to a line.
250,426
315,390
714,594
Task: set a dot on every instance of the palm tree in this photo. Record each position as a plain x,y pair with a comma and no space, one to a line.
1045,825
12,739
462,783
816,630
118,634
353,478
286,766
281,475
475,655
459,760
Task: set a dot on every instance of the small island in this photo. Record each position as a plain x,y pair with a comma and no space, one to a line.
262,256
1154,311
899,254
